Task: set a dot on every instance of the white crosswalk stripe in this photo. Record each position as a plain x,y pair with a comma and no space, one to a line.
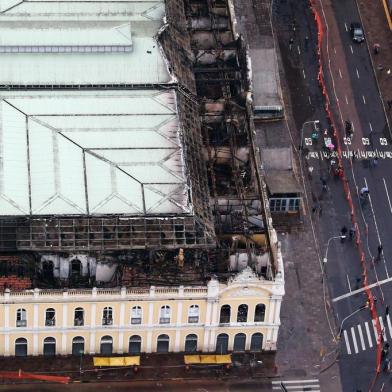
359,337
368,335
354,340
312,385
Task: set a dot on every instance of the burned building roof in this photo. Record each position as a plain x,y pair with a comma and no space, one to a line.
97,151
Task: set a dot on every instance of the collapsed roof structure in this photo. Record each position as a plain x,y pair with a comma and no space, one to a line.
126,136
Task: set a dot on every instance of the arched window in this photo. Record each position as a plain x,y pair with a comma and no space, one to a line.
50,317
79,317
135,344
106,345
21,320
222,343
256,342
136,315
164,316
239,342
193,314
259,312
191,343
78,345
163,344
49,347
242,314
107,318
20,347
225,314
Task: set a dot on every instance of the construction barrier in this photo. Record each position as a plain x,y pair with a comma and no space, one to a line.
208,359
116,361
32,376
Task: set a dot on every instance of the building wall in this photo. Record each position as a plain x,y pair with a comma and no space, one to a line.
209,299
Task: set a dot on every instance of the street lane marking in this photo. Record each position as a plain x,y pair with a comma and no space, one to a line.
371,128
386,190
361,338
347,342
340,74
363,99
295,381
310,101
354,292
345,26
334,49
348,281
389,325
354,340
357,72
299,50
368,334
377,231
303,73
346,99
351,48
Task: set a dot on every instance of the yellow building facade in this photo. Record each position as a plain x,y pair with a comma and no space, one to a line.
241,315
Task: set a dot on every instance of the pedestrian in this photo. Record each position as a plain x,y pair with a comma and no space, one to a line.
343,233
306,42
320,211
291,42
323,183
315,207
379,252
376,49
351,233
375,162
357,282
386,365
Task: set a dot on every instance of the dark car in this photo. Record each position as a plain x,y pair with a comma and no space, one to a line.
357,32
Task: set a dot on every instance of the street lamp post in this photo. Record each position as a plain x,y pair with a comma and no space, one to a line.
347,317
341,237
302,131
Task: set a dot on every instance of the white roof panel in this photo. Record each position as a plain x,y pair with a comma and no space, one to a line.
91,170
34,25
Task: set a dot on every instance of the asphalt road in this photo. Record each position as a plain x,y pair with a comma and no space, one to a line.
353,91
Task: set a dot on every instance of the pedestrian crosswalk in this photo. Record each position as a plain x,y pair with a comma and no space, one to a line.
364,335
312,385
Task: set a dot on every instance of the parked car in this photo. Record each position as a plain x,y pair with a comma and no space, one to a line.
357,32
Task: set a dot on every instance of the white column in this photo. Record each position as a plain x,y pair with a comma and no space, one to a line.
150,324
149,342
120,347
215,314
211,346
92,343
93,315
6,344
122,314
271,312
208,313
65,316
64,343
35,344
35,316
6,316
277,311
178,327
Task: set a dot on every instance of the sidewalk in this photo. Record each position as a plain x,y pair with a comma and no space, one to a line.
152,367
